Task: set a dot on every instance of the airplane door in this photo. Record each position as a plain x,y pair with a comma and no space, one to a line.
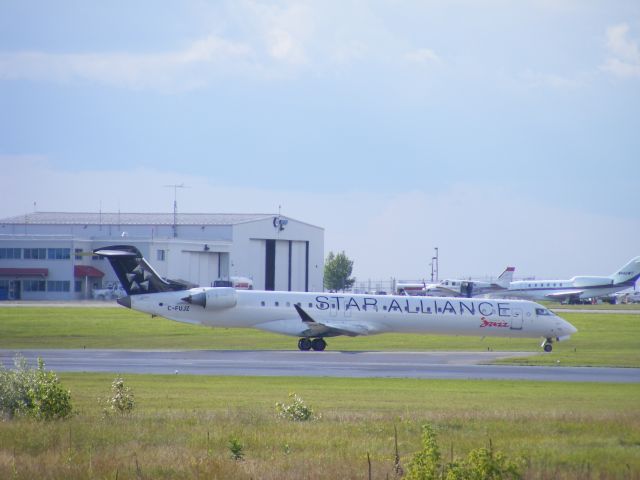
516,319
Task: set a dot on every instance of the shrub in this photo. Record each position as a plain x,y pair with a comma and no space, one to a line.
480,464
122,400
33,392
484,464
425,464
297,410
236,448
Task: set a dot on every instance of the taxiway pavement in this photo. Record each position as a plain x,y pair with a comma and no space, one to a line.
443,365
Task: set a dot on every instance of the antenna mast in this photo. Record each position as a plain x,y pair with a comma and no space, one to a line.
175,206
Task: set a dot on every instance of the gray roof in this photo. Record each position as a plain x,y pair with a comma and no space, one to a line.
105,218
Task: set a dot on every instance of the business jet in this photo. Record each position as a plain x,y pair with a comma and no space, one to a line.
471,288
315,316
579,287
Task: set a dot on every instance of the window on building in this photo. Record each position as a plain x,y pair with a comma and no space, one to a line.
161,254
58,285
33,285
10,253
78,253
35,253
77,286
58,253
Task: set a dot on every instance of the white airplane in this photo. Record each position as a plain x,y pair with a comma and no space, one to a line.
471,288
316,316
578,287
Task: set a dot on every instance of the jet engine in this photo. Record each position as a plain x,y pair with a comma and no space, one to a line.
216,298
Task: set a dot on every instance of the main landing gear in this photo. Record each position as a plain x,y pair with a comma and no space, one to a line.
547,345
317,344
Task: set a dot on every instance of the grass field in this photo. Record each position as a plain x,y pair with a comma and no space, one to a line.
602,339
182,425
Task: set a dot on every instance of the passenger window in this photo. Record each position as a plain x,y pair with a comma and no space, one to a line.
262,303
277,304
310,305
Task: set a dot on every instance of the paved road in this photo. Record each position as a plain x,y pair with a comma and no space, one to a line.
446,365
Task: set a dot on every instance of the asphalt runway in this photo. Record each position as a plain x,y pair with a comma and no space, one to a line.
442,365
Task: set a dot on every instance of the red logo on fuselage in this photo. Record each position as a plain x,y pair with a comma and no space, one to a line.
487,323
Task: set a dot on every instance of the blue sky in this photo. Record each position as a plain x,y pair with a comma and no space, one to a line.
504,133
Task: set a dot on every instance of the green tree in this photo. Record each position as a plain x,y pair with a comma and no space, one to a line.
337,272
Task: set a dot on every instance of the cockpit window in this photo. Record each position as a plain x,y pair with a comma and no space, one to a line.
542,311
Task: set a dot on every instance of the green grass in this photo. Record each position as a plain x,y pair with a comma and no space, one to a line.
593,308
182,424
602,339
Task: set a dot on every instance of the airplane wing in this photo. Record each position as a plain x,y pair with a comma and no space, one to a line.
332,328
564,294
443,291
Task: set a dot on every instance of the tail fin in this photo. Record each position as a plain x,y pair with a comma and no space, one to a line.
134,272
506,277
628,274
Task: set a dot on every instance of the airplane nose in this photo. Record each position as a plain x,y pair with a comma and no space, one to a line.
569,328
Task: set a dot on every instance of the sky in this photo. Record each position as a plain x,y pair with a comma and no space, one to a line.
503,133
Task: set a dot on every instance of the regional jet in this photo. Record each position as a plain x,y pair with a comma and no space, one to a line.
315,316
579,287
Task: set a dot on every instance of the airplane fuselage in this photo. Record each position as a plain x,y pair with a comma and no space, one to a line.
579,287
354,314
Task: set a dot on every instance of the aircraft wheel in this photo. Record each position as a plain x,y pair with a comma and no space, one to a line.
548,347
304,344
318,344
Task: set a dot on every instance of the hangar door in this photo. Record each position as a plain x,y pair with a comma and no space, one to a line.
285,264
203,267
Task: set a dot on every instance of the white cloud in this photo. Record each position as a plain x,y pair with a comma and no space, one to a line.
550,80
252,40
422,56
624,53
179,70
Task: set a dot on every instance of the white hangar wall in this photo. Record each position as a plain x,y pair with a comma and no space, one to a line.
290,257
48,255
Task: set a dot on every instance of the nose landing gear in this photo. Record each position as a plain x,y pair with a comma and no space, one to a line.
317,344
547,345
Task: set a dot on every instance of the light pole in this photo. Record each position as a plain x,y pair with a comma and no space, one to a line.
175,206
436,263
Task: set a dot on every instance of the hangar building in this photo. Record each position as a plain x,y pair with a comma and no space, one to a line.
47,255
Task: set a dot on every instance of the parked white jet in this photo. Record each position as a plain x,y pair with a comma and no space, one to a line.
576,287
315,316
456,288
471,288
